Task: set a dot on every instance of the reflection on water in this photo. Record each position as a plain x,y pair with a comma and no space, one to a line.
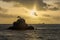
18,35
30,35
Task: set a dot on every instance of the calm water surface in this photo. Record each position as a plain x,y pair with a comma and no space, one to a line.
42,34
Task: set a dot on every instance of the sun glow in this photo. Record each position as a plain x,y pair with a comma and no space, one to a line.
33,12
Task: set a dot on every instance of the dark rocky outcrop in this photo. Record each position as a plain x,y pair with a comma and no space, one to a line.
20,24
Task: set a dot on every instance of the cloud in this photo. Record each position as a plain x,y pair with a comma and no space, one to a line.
2,9
26,3
58,4
54,8
53,5
56,18
29,3
3,13
6,16
46,15
17,5
51,17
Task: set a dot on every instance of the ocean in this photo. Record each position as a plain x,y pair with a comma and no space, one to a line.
41,32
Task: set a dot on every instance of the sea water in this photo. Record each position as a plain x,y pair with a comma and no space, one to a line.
43,34
36,34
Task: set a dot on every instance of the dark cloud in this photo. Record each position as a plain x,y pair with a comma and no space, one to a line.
54,9
58,4
40,5
25,3
29,3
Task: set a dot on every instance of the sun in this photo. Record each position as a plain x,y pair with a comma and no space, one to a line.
33,12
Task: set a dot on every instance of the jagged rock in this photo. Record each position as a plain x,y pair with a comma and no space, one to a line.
30,28
20,24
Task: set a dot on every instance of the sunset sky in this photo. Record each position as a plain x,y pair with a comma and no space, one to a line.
33,11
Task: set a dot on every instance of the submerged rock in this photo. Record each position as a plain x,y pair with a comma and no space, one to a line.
20,24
